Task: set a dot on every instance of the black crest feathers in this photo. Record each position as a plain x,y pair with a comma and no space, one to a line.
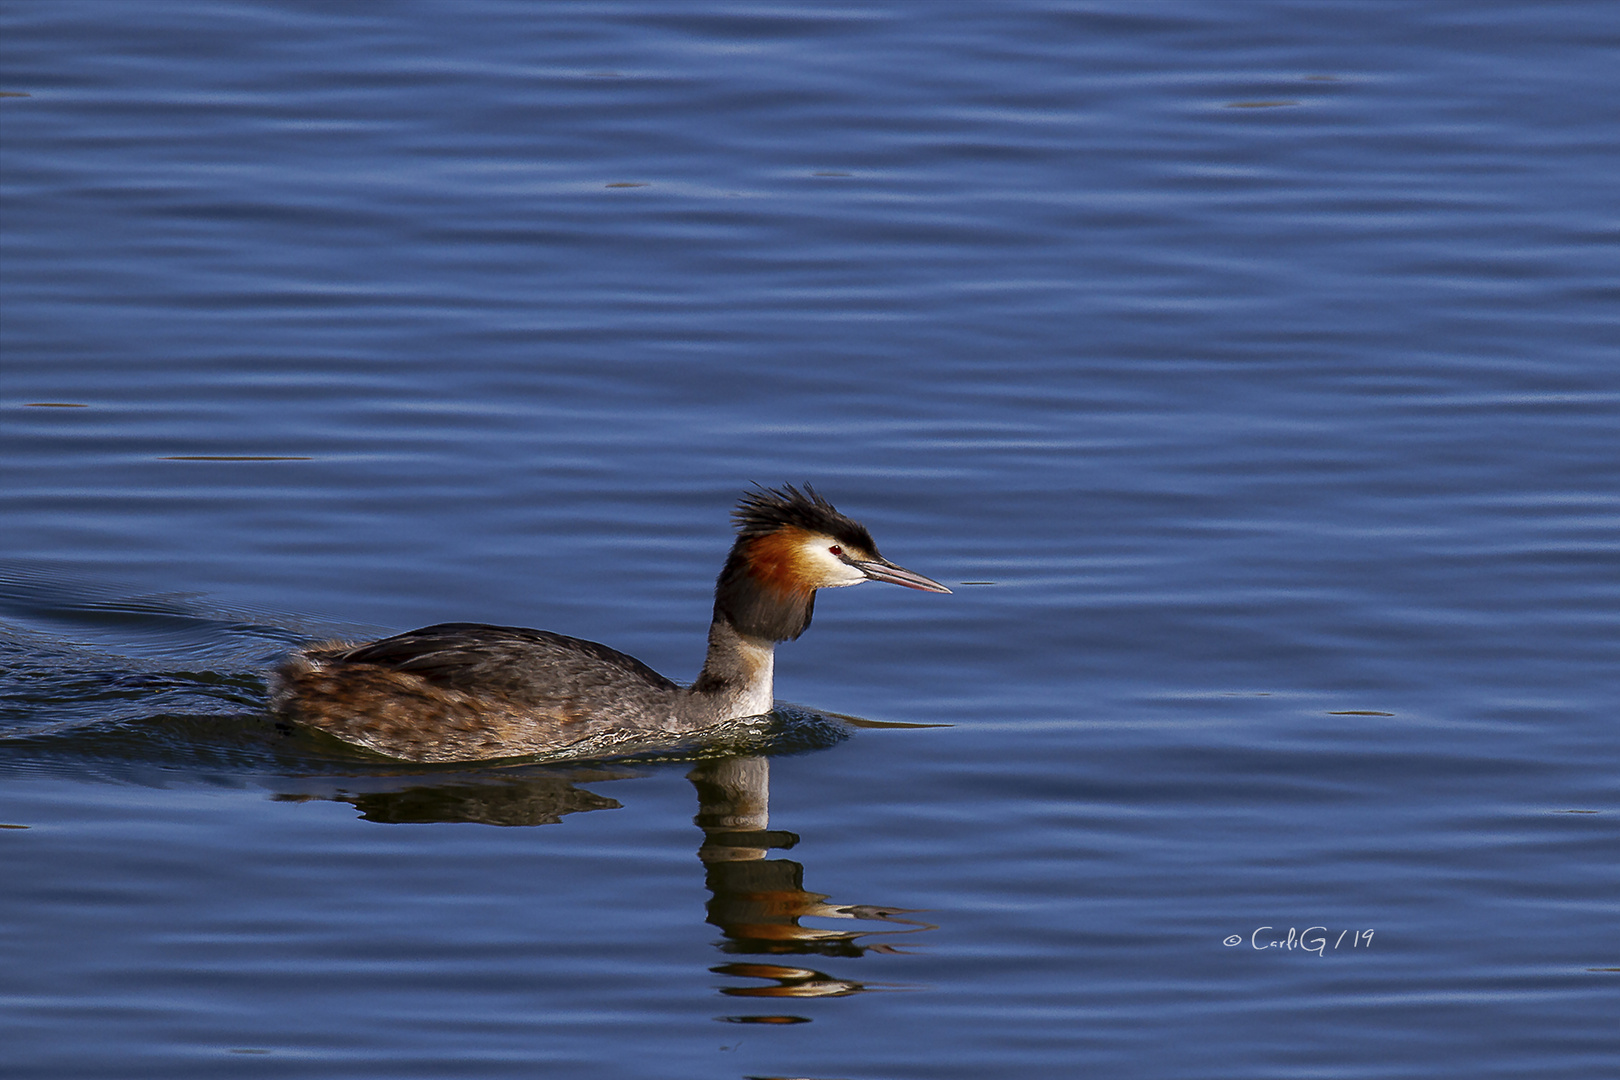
764,510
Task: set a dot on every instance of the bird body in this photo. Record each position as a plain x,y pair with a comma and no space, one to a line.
467,691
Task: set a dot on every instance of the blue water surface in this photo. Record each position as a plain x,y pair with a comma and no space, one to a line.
1249,370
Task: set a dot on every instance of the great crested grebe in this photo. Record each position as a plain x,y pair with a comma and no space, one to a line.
468,692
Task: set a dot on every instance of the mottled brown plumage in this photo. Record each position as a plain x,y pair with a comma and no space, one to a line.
465,691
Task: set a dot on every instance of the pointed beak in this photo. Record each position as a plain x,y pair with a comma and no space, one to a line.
884,570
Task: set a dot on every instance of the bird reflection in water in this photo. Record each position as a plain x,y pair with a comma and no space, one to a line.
756,901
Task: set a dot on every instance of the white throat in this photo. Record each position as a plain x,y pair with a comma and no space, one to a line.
759,660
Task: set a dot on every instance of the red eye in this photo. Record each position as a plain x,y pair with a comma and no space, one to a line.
836,550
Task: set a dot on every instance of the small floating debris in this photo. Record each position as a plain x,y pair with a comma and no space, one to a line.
763,1019
54,405
1360,712
14,93
628,183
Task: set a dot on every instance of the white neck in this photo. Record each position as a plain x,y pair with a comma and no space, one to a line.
737,677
